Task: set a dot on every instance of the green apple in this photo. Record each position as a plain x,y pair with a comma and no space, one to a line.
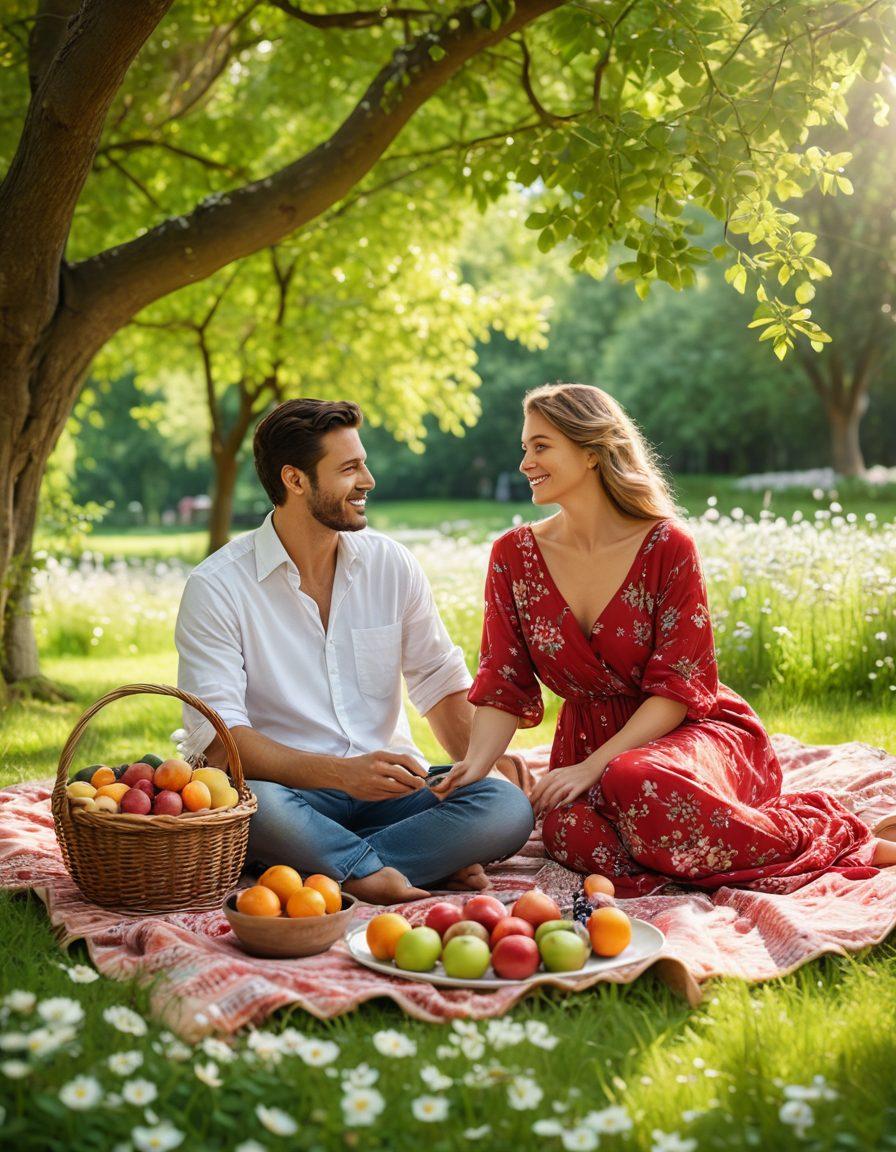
465,957
418,950
563,951
553,926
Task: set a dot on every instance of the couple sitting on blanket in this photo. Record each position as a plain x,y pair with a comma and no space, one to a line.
299,633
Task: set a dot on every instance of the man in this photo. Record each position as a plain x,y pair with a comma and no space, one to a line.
298,634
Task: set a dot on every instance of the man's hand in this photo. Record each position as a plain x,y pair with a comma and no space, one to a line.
382,775
460,775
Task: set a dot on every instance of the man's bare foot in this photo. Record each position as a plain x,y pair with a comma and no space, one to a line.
387,886
473,876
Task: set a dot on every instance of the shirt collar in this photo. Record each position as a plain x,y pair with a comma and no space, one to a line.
270,553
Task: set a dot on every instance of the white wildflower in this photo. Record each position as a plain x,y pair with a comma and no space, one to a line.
523,1092
580,1139
140,1092
317,1053
60,1010
266,1046
798,1114
160,1138
20,1001
276,1120
218,1050
477,1133
473,1047
362,1076
250,1146
537,1033
13,1041
208,1074
430,1108
125,1020
609,1120
15,1069
81,1093
81,973
547,1128
434,1079
671,1142
361,1106
44,1041
390,1042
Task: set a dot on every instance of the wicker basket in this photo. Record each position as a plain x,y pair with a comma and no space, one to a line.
145,864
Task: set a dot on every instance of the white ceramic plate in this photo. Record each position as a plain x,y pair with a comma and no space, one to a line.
647,942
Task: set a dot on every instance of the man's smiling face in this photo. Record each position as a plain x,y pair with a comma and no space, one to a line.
337,496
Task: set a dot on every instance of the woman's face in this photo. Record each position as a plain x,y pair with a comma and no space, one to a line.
552,463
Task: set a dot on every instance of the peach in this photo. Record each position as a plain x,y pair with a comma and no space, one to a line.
172,775
136,772
195,796
218,784
167,803
113,791
136,802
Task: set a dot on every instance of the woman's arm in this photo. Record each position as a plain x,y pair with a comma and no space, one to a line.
492,732
654,718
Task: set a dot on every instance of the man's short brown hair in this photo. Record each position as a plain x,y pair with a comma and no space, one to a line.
293,435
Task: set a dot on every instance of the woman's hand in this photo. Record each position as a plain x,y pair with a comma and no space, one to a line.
462,773
562,786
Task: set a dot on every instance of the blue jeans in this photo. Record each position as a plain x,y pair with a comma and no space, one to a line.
426,839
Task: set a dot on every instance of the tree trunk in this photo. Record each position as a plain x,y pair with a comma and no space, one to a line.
222,499
846,448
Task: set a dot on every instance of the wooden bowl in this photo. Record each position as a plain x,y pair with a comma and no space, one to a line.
286,937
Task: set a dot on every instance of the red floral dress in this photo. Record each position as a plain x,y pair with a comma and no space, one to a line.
701,805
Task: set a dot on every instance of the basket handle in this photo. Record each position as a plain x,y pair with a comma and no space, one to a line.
221,729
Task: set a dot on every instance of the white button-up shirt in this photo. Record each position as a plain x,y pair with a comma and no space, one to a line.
252,646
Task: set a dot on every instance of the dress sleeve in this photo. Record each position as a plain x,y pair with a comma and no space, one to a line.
506,677
683,665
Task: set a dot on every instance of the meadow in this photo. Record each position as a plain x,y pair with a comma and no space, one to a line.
803,595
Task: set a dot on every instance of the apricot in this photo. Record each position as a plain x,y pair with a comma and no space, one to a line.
306,902
195,795
102,776
114,791
328,888
218,784
257,901
172,775
595,883
283,880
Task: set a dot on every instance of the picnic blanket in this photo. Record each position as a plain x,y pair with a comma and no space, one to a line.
201,982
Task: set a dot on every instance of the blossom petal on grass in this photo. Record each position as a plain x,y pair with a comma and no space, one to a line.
430,1108
82,1093
276,1120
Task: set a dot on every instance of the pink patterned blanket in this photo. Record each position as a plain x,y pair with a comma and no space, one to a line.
202,982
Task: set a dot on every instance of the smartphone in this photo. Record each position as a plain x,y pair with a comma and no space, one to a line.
434,775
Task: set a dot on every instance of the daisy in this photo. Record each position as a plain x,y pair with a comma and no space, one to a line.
798,1114
20,1001
250,1146
477,1133
15,1069
124,1063
504,1033
208,1074
609,1120
13,1041
473,1047
60,1010
319,1052
43,1041
140,1092
579,1139
292,1041
434,1079
363,1076
178,1051
266,1046
81,1093
523,1093
80,973
389,1042
537,1033
670,1142
218,1050
160,1138
547,1128
430,1108
276,1120
361,1106
125,1020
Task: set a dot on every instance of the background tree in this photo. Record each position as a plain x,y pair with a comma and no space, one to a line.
624,111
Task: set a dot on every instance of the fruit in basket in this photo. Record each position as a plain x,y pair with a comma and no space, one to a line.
485,910
116,791
466,958
515,957
172,775
383,933
136,802
610,931
418,950
167,803
233,798
218,784
328,888
511,926
85,802
80,788
146,786
536,907
563,951
120,770
306,902
102,776
596,884
258,901
87,773
466,928
195,795
553,926
283,880
152,760
442,915
135,772
105,804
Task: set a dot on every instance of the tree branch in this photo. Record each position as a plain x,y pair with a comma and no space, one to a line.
144,142
358,19
47,35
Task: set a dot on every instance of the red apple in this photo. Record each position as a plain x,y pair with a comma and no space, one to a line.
485,910
135,772
442,915
515,958
167,803
147,787
536,907
511,926
136,802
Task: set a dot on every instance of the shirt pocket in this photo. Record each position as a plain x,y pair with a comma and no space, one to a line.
378,659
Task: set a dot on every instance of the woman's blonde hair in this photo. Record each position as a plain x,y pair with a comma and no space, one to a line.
628,465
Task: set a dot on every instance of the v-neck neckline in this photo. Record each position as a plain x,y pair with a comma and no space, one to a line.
589,636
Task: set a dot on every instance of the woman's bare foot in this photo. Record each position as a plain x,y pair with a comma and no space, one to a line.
387,886
884,854
473,876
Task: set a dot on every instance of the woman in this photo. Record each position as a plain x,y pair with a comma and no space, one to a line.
658,772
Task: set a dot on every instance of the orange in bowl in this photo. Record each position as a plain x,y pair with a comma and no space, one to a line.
306,902
328,888
258,901
610,931
283,880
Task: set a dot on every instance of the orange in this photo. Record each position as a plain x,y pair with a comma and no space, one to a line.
383,933
283,880
597,883
329,889
115,791
258,901
173,775
306,902
195,796
102,776
610,931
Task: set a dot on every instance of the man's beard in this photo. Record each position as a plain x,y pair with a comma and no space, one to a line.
332,513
